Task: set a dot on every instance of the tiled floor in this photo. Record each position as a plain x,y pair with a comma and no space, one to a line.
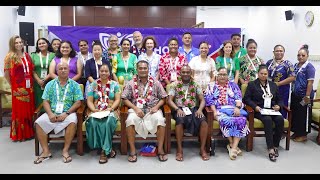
17,157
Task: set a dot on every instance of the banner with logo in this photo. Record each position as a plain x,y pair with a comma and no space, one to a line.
214,36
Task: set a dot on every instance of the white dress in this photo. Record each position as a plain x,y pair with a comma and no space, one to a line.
202,70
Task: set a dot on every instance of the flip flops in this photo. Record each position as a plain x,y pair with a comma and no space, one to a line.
66,159
204,156
162,157
134,157
179,156
40,159
103,158
112,154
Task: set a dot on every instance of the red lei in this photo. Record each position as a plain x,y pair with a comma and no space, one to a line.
103,97
148,95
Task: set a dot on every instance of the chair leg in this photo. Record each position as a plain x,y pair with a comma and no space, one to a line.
80,142
36,143
287,140
318,137
213,147
250,142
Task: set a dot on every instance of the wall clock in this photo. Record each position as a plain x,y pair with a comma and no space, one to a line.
309,18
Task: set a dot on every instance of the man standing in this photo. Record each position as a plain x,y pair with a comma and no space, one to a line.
183,98
187,49
83,56
61,98
137,47
236,41
144,96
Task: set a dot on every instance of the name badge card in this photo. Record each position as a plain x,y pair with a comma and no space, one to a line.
140,103
186,110
59,108
173,76
43,73
28,83
267,102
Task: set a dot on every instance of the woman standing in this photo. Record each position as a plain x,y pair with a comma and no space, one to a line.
149,43
66,54
301,94
203,67
41,60
263,93
18,70
249,63
103,95
124,63
281,72
55,43
226,59
224,98
113,49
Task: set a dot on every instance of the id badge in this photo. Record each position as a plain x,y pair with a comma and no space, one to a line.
126,79
140,103
267,102
173,76
28,83
43,73
186,110
59,107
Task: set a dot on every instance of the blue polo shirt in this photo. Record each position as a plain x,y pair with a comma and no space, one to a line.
194,52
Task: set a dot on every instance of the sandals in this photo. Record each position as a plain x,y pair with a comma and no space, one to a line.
40,159
179,156
239,152
162,157
134,157
66,159
272,157
276,152
233,154
112,154
204,156
103,158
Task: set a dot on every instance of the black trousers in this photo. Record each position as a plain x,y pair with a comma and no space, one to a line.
273,136
299,116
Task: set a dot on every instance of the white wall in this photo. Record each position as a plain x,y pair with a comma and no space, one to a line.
44,15
268,26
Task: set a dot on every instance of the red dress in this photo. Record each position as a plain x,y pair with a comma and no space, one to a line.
22,97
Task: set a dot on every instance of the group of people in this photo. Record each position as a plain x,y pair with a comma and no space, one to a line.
185,78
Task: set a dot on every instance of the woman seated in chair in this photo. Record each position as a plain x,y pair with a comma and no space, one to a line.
103,95
262,93
224,98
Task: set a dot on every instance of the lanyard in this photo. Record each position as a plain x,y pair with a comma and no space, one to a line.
25,70
84,59
186,93
265,89
65,92
149,60
254,67
175,64
97,69
239,53
225,65
302,67
275,67
47,60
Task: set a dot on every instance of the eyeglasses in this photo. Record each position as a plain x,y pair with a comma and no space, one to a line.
222,75
301,55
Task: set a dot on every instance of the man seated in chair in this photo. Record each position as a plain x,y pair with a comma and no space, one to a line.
61,98
144,96
183,97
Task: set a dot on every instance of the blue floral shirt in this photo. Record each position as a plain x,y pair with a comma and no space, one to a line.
74,94
193,53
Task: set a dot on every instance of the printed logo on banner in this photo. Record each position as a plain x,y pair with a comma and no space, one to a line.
104,37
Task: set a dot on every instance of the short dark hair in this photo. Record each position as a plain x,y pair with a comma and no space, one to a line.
235,34
203,42
173,39
186,33
279,45
250,41
220,68
97,44
125,39
262,66
82,40
55,39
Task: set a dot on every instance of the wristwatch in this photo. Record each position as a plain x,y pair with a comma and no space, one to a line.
239,107
176,109
68,113
308,97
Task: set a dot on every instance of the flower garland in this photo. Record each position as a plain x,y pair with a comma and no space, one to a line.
148,95
103,98
223,93
191,101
